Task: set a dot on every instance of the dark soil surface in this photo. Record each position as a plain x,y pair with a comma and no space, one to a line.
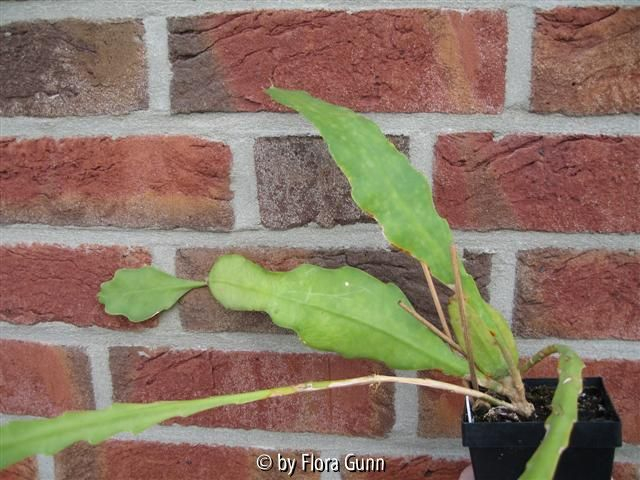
591,407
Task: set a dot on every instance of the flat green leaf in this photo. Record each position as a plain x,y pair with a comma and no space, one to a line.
141,293
343,310
564,413
23,438
385,185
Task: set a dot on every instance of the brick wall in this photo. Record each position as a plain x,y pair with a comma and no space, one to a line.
138,133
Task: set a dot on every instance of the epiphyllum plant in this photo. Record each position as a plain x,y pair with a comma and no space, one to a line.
335,309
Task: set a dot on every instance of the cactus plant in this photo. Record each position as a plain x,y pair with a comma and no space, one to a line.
334,309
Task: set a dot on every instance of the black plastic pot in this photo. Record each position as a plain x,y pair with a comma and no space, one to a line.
500,451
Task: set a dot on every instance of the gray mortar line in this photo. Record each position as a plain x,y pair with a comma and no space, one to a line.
502,282
100,10
46,467
101,375
56,333
421,148
223,126
244,185
520,21
346,236
158,66
406,407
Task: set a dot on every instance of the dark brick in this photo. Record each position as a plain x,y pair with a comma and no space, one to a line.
299,183
72,67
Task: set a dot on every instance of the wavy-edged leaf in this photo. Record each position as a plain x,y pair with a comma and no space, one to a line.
564,413
343,310
385,185
23,438
141,293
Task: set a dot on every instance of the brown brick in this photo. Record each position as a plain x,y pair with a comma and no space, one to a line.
24,470
47,283
551,183
412,468
299,183
578,294
43,380
151,181
143,375
622,380
133,460
200,312
586,61
626,471
385,61
441,412
72,67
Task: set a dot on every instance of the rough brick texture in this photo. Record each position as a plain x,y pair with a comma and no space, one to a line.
385,61
586,61
552,183
200,312
46,283
622,380
578,294
24,470
412,468
143,375
72,67
155,181
626,471
43,380
299,183
122,460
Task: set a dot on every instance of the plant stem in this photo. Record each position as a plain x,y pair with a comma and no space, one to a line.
463,318
433,328
516,379
436,300
375,378
537,357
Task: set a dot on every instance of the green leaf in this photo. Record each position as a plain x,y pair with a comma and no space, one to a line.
343,310
23,438
385,185
564,413
141,293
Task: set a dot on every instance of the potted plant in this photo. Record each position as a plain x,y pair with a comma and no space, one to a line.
336,309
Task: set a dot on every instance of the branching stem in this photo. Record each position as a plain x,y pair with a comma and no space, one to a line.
463,318
433,328
436,300
538,357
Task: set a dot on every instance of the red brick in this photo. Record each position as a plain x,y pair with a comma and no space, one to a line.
413,468
586,61
24,470
43,380
200,312
439,412
553,183
626,471
143,375
385,61
299,183
578,294
122,460
151,181
48,283
72,67
622,380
